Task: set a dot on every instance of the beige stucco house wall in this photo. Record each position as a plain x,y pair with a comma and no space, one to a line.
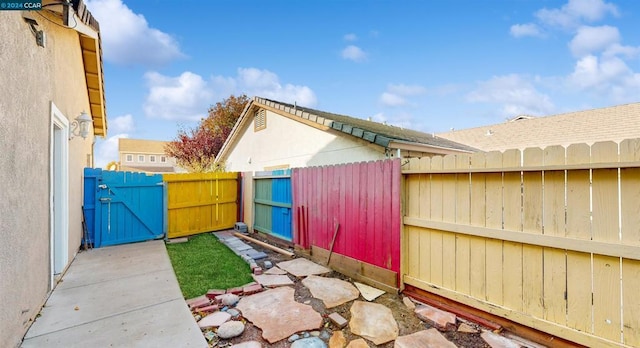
42,90
289,136
143,155
279,144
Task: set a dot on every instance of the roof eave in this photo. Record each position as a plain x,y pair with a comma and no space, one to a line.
235,131
420,147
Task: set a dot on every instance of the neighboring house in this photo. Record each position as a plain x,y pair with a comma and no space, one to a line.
138,155
50,72
275,135
614,123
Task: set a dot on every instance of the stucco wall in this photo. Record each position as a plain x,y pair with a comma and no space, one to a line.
31,77
288,142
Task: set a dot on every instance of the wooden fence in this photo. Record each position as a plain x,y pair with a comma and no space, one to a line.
364,199
549,238
198,203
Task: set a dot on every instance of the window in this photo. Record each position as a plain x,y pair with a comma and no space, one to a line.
140,158
260,120
152,158
129,158
163,159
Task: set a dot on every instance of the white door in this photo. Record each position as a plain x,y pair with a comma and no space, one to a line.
59,180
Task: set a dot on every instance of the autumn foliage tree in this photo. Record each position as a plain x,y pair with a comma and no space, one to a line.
196,149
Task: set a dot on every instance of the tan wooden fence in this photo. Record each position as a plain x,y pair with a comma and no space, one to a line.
549,238
201,202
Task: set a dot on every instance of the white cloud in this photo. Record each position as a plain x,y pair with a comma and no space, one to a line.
266,84
390,99
107,150
515,93
616,49
593,39
406,90
188,96
575,12
522,30
397,94
354,53
127,37
350,37
185,97
121,124
604,75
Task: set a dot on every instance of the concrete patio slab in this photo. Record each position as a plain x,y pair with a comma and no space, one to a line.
104,264
153,326
123,295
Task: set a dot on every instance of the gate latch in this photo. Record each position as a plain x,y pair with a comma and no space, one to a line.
105,199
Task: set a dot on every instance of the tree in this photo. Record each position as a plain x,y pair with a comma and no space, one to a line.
196,149
113,165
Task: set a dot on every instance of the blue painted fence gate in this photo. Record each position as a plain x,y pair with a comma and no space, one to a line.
272,203
123,207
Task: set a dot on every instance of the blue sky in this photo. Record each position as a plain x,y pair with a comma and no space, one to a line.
426,65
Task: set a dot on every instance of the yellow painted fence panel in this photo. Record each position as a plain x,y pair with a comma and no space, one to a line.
549,238
201,202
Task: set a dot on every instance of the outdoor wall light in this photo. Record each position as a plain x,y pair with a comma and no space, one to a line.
80,127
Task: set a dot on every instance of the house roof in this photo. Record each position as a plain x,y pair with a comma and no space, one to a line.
75,15
614,123
377,133
141,146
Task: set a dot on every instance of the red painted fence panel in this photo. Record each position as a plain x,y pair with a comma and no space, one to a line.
364,198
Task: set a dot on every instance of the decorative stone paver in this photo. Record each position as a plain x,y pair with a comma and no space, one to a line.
214,320
337,340
466,328
332,291
373,321
338,320
311,342
359,343
442,320
269,280
248,344
423,339
277,313
302,267
497,341
275,271
408,303
368,292
230,329
228,299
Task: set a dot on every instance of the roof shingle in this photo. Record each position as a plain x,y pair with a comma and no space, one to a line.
614,123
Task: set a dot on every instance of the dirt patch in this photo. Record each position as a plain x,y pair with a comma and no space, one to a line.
408,322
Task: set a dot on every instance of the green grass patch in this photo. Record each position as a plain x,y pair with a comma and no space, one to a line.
204,263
